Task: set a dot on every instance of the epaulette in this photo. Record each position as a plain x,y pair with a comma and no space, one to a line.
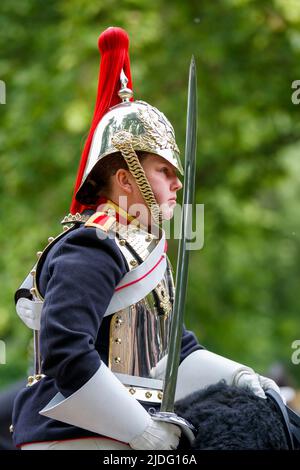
101,220
28,298
134,241
29,288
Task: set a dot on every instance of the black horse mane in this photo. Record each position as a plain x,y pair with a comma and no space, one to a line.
233,418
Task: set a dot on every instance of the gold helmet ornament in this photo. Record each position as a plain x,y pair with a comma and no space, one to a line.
122,125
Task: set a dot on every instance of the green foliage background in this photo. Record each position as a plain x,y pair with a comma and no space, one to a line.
243,299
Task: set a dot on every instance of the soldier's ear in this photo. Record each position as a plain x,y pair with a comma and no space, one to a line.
123,179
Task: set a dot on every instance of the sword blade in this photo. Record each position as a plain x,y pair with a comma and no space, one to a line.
183,254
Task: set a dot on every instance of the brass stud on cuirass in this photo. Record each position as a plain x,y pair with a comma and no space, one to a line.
133,262
118,321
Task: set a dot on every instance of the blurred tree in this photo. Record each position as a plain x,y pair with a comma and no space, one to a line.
242,298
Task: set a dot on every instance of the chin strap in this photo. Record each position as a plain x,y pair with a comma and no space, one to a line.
123,142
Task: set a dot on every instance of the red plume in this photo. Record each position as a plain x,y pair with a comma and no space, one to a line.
113,45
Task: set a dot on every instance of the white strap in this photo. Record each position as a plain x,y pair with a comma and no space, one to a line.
138,282
134,286
30,312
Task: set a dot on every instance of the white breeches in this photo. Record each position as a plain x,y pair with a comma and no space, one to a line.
90,443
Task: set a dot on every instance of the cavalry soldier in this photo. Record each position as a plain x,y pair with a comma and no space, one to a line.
100,296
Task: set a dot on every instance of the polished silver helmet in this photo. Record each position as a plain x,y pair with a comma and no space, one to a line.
126,128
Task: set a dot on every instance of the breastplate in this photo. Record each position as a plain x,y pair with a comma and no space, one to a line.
139,333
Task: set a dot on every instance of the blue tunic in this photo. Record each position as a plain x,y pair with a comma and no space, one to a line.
77,280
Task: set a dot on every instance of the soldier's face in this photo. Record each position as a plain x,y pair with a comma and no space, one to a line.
164,182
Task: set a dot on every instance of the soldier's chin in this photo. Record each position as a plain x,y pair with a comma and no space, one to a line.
167,212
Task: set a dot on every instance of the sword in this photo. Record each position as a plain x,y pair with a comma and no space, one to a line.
167,407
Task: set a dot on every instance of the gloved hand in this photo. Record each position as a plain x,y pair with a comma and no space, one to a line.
257,383
157,436
125,419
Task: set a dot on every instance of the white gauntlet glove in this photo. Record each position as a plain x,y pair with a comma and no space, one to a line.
157,436
104,406
203,368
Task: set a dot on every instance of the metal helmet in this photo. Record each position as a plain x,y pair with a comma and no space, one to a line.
145,126
128,127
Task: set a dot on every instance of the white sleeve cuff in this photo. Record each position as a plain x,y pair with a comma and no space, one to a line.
102,405
203,368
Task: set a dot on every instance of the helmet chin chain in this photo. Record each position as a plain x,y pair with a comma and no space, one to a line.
123,142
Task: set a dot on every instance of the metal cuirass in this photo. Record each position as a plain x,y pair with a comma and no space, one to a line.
139,333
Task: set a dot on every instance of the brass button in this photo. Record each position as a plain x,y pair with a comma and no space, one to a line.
39,254
117,360
50,239
148,394
133,262
132,391
160,395
122,242
30,380
118,340
148,238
